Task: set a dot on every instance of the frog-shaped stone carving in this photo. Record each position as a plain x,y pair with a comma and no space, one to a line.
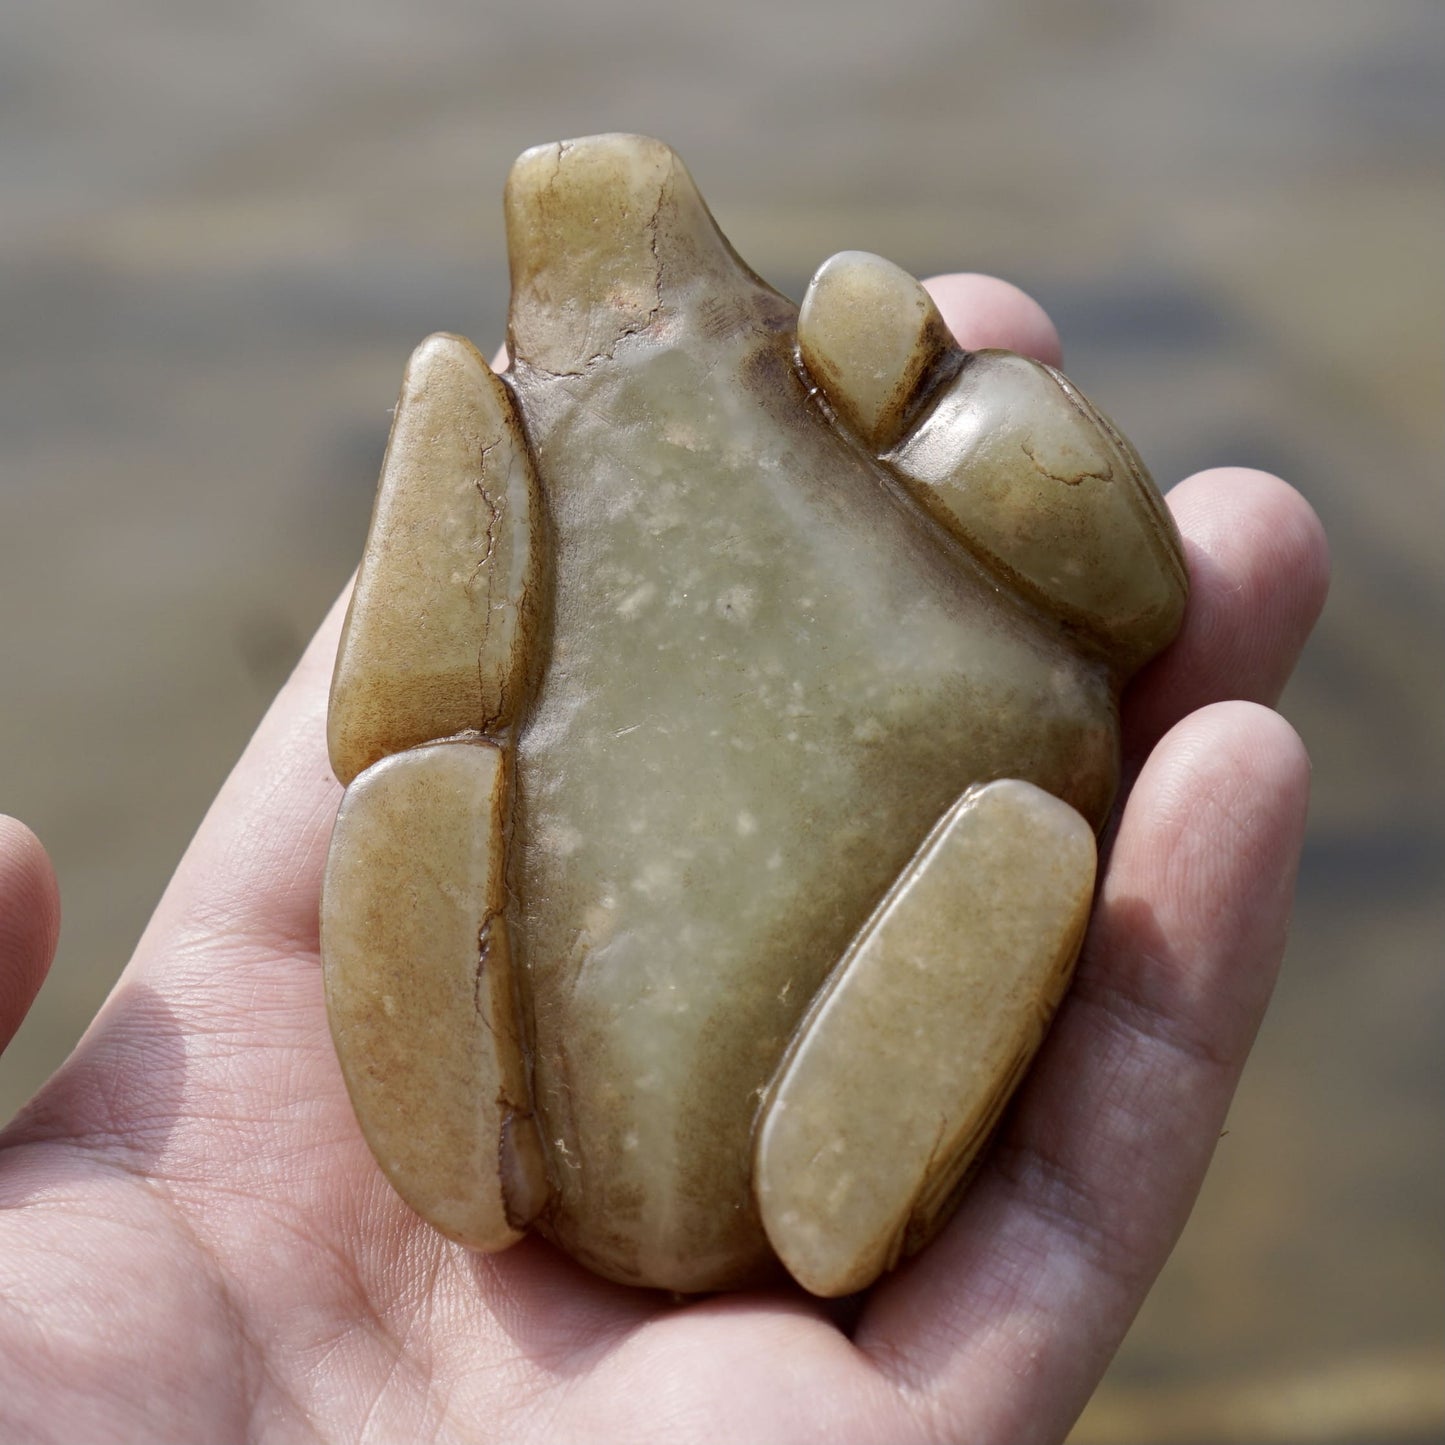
728,705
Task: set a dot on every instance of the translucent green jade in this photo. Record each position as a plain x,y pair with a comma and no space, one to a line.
727,707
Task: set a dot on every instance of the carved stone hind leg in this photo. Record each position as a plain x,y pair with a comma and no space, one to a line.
903,1064
420,992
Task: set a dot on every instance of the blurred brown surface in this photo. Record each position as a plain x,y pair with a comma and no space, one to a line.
225,226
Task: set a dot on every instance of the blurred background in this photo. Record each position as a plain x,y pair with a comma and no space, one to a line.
225,226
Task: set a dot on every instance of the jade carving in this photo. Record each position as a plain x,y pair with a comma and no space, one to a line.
728,707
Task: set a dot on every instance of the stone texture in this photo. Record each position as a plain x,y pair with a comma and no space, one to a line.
767,671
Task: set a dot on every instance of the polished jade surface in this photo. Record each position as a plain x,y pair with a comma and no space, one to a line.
728,706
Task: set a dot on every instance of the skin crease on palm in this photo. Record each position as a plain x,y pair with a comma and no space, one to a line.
195,1242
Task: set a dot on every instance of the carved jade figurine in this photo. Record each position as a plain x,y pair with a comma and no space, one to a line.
727,706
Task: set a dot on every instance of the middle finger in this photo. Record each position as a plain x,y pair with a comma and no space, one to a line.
1258,574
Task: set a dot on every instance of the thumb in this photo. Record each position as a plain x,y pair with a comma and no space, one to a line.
29,922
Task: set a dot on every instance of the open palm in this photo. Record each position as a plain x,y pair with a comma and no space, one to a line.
196,1244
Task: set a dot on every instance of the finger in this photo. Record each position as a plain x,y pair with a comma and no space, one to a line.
218,963
252,873
1028,1292
984,311
1259,571
29,922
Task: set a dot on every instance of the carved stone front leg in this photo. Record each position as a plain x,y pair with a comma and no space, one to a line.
1004,452
442,633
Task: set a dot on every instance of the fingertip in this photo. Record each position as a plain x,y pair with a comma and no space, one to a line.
1240,753
1274,746
1269,739
1213,507
29,922
986,311
1259,573
1213,831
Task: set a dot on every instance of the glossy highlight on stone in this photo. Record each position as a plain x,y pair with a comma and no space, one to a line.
775,654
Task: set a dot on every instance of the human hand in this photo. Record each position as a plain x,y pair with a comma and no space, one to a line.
195,1242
